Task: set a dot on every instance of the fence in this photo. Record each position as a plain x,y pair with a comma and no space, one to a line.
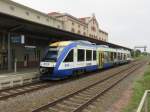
144,104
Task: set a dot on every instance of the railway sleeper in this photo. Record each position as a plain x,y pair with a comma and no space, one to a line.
71,104
84,95
20,90
81,97
68,102
53,109
13,91
63,107
5,93
76,100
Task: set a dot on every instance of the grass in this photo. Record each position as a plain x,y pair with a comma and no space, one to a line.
138,91
139,57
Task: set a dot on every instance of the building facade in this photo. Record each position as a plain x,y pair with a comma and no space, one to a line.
87,26
71,23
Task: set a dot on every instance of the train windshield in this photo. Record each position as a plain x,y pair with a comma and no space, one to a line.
52,54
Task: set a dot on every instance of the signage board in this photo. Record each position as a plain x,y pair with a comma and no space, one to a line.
18,39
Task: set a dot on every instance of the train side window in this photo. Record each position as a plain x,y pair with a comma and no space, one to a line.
88,55
115,55
81,55
125,57
69,57
121,56
106,55
94,55
111,56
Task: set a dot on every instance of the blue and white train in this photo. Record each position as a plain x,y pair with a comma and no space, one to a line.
67,58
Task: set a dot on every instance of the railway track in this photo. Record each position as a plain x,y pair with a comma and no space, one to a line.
79,100
13,92
7,93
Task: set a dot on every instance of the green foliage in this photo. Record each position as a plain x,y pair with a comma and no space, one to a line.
136,53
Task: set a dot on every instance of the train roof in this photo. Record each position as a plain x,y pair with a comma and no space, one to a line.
60,43
65,43
87,43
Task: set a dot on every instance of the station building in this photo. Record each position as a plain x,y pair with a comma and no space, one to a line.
87,26
25,33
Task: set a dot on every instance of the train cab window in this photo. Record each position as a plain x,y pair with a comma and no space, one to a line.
81,55
51,56
94,55
88,55
69,57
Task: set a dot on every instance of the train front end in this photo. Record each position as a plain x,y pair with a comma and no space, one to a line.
49,61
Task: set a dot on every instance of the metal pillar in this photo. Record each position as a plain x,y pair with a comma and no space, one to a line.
3,49
3,42
9,53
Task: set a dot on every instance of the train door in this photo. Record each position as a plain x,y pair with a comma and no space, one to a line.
101,59
1,61
26,60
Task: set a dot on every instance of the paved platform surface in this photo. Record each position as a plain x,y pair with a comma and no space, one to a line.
8,80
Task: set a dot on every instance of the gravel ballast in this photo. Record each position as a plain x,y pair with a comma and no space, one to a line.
118,97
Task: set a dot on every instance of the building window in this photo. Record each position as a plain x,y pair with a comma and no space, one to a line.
58,26
27,13
38,17
93,28
88,55
69,57
81,55
72,23
72,30
12,8
79,32
47,19
84,33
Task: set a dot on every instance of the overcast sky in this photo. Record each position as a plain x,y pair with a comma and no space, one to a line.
126,21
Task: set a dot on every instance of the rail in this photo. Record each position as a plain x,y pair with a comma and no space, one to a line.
143,106
54,105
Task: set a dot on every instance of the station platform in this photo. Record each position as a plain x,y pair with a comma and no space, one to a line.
9,80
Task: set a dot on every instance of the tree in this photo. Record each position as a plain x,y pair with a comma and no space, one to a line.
137,53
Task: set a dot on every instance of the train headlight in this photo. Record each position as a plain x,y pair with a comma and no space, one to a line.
42,70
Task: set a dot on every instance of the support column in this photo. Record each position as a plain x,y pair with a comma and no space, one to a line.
9,53
3,41
3,50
